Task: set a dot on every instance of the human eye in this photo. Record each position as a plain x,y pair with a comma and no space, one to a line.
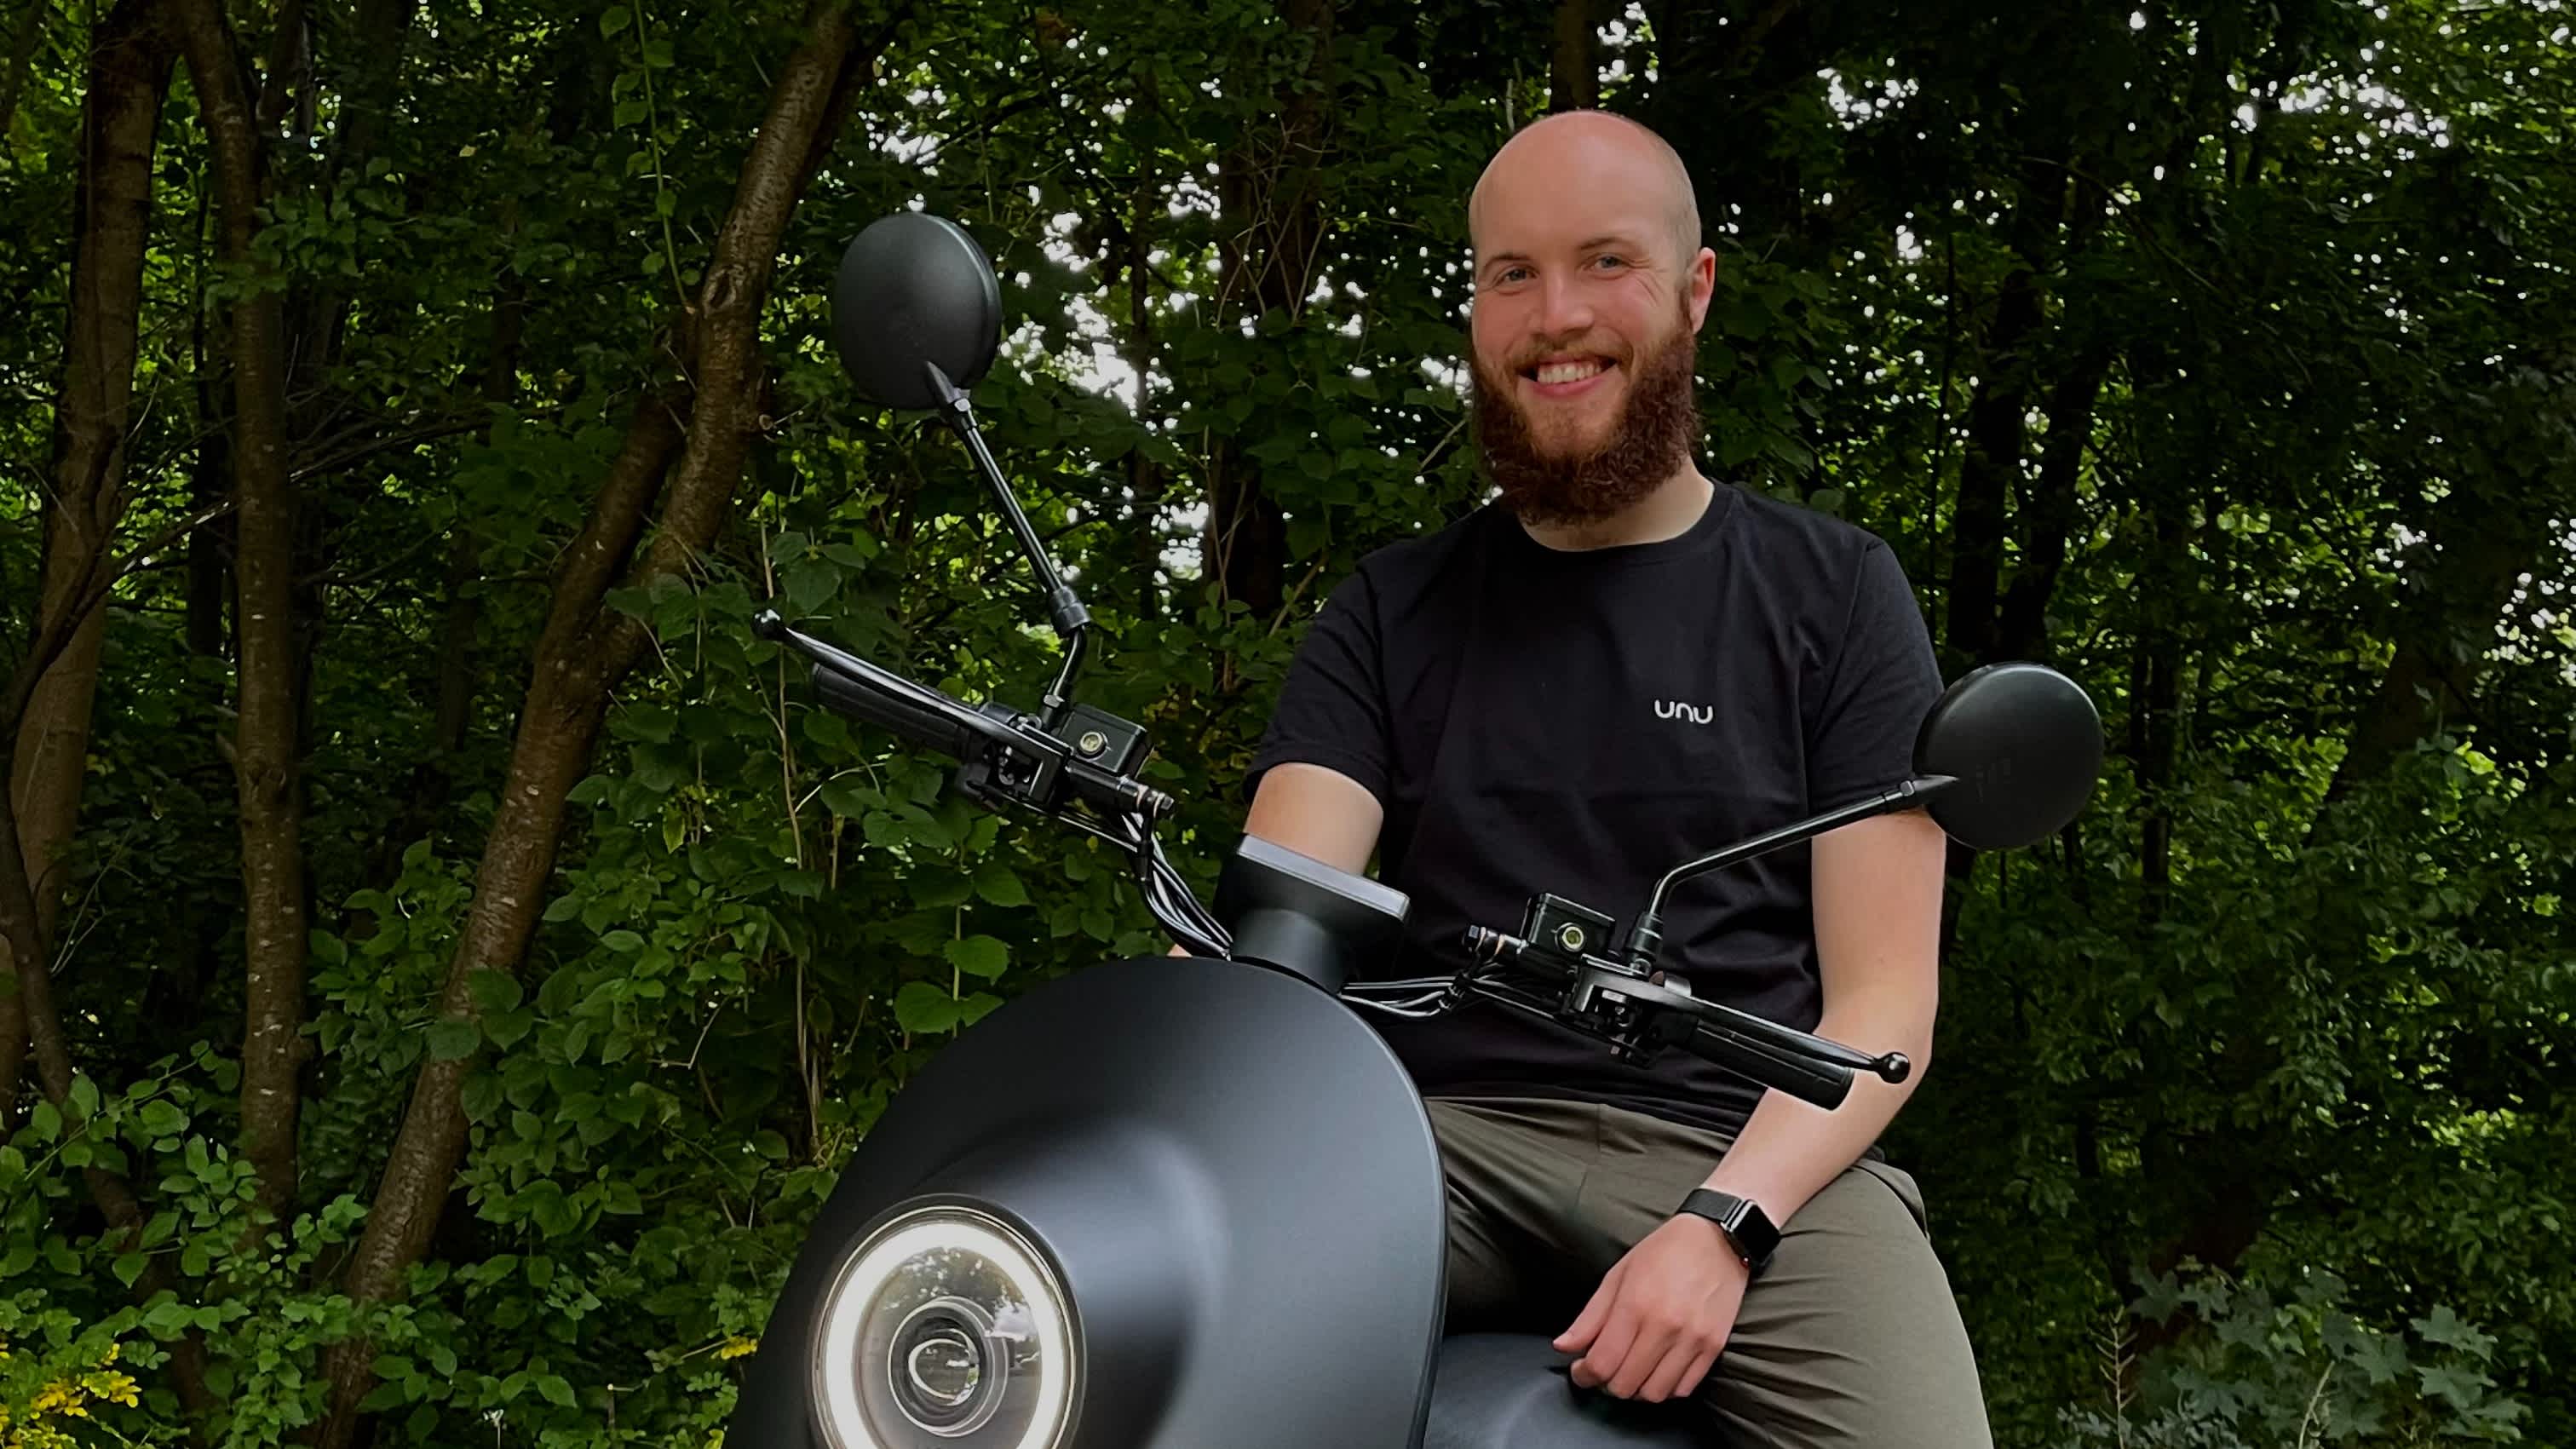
1612,258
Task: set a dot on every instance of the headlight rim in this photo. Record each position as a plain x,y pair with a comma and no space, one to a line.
1054,1299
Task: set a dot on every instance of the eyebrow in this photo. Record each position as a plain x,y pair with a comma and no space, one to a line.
1621,239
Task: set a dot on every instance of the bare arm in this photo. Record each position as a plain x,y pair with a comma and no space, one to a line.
1878,927
1316,812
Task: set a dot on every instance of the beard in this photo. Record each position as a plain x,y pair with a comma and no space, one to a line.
1649,440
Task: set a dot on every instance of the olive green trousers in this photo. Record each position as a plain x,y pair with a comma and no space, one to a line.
1850,1337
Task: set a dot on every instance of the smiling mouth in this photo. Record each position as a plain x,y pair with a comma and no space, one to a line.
1559,372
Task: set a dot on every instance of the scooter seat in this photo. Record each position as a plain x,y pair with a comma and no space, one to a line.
1510,1391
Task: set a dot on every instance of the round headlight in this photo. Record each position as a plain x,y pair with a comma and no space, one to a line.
945,1327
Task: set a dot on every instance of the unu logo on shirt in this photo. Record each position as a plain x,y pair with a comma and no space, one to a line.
1675,709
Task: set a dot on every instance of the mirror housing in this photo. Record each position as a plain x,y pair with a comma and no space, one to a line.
915,294
2020,748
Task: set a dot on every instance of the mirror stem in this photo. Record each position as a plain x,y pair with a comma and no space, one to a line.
1645,937
1071,618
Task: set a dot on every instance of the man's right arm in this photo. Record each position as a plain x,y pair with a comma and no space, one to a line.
1316,812
1325,753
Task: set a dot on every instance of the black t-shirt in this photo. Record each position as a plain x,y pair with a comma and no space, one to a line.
1579,722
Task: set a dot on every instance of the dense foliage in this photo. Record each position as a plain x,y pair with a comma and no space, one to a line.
2220,355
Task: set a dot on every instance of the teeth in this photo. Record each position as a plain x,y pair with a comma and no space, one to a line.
1556,372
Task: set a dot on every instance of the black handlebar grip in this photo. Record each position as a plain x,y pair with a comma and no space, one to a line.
1822,1084
861,700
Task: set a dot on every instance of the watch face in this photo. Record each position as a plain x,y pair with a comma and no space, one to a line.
1751,1229
1744,1223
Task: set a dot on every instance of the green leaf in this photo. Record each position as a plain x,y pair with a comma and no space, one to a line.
194,1260
2445,1327
622,939
127,1267
392,1394
506,1027
84,1097
47,1120
615,19
162,1121
557,1391
981,956
997,883
649,722
451,1041
924,1009
810,581
2459,1387
850,799
493,990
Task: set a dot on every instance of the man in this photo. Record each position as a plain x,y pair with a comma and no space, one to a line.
1616,666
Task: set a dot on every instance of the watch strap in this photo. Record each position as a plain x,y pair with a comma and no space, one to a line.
1748,1229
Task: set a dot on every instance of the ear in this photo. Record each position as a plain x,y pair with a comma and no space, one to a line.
1699,284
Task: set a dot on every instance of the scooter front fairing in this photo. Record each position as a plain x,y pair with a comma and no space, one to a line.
1164,1203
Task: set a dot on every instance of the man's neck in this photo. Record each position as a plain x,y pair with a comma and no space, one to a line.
1668,512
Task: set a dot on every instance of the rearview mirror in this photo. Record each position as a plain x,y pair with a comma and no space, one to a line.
2024,744
915,292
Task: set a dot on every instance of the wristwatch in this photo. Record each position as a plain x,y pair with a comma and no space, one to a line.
1746,1226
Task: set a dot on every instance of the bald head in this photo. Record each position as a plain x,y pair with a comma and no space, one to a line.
1571,157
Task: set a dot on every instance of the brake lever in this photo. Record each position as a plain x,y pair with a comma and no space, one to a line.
1654,1010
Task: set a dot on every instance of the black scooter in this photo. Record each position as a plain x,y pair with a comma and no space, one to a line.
1194,1202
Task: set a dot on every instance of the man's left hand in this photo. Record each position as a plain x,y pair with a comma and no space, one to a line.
1661,1315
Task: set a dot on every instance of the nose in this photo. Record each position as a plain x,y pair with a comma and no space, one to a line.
1564,308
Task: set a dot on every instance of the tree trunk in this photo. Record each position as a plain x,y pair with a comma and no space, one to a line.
2048,510
48,701
1274,230
1990,469
586,650
131,62
265,746
2443,634
54,1069
1574,60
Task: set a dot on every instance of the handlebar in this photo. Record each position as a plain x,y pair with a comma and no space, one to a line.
1637,1013
928,718
1012,758
1824,1084
864,699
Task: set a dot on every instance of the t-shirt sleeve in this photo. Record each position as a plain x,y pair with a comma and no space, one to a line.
1332,710
1881,681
